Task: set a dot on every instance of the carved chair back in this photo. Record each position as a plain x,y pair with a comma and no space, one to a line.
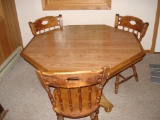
45,24
75,94
131,24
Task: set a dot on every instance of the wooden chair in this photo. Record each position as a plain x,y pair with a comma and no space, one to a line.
138,28
45,24
76,94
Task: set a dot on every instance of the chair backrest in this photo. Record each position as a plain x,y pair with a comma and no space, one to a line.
45,24
131,24
75,81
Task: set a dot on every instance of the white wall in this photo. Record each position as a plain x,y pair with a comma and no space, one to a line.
30,10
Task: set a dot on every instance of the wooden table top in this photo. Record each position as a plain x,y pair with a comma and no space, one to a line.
83,47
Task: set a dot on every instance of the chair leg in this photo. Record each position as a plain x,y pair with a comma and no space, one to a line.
60,117
118,76
135,72
94,116
117,83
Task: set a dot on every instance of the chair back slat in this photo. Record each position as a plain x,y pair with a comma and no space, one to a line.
99,93
89,97
50,96
60,98
80,99
70,100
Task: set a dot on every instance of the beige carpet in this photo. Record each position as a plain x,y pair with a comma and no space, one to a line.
22,94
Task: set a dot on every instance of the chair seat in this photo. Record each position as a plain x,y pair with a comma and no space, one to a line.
86,110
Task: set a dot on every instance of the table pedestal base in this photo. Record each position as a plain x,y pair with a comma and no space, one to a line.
106,104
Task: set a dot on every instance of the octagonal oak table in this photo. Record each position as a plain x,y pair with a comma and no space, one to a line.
84,47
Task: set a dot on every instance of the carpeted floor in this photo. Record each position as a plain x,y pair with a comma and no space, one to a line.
21,93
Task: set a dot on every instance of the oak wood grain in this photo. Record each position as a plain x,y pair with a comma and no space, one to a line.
84,47
76,4
4,44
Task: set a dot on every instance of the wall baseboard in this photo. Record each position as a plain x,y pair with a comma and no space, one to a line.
156,52
147,51
9,62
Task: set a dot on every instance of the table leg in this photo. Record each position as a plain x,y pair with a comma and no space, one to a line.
2,112
106,104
